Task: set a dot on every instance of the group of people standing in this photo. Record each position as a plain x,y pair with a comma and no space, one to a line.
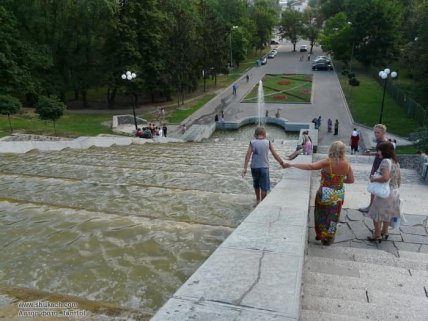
335,172
330,126
151,131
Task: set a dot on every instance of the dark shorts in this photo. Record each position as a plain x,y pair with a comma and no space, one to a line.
261,178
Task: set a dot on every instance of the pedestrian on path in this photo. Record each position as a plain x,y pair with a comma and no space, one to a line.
301,58
354,141
383,210
247,77
329,125
335,171
222,116
309,56
380,135
216,118
258,151
336,127
234,87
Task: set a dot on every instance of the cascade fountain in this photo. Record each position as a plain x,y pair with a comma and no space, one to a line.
126,225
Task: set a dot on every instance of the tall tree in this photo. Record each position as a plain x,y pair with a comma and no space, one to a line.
16,57
376,29
312,25
291,25
265,17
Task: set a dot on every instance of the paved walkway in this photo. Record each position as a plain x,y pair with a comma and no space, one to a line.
328,100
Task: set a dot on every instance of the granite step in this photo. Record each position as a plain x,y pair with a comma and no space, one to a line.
367,311
342,283
407,260
361,269
311,315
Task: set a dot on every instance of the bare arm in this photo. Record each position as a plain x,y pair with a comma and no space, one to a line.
247,159
311,166
349,176
275,155
386,175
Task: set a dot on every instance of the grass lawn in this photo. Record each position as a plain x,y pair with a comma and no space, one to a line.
283,89
181,114
69,125
365,101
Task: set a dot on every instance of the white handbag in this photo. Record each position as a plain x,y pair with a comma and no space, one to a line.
381,190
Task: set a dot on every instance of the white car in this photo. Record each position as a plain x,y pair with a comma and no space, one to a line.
303,48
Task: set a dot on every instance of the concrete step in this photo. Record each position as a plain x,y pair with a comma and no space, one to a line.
408,260
369,311
376,296
415,286
360,269
310,315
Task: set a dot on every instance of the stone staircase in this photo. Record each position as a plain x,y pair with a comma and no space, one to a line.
355,280
352,284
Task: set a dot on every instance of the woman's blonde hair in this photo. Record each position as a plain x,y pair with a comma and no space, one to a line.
337,150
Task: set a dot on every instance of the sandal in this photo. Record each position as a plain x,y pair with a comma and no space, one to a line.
374,239
326,242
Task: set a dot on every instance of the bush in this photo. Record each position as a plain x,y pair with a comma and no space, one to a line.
345,72
50,108
351,75
354,82
9,105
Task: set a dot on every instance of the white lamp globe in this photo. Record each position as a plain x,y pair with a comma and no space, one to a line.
133,75
394,74
129,77
128,73
380,73
387,71
123,76
383,75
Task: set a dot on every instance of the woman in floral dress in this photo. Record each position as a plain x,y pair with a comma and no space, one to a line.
335,171
383,210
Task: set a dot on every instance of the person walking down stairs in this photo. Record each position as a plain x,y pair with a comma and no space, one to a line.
335,171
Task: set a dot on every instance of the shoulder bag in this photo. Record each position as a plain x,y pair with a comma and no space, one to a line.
381,190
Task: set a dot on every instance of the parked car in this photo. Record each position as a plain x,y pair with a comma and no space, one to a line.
303,48
322,66
272,53
322,59
263,60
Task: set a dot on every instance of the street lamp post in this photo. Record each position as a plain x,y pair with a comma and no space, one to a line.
384,74
352,50
230,43
129,76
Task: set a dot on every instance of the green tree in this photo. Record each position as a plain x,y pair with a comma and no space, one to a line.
291,25
312,25
265,16
376,29
9,105
50,108
336,37
417,51
213,47
15,56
